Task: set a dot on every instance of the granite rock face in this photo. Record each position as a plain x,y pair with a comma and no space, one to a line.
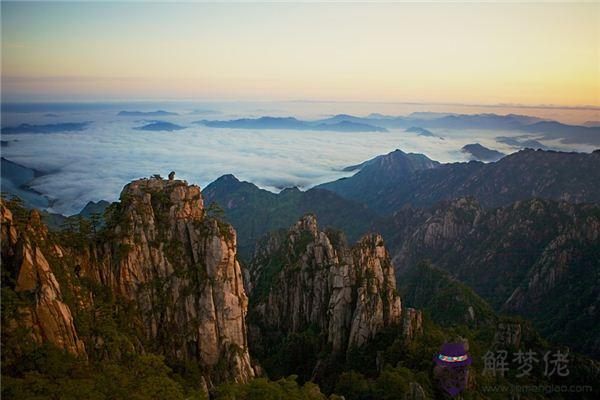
528,258
412,323
308,278
179,266
162,255
45,316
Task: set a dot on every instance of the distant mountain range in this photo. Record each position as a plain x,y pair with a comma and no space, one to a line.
160,126
47,128
566,133
522,143
159,113
387,183
393,182
441,121
254,211
291,123
420,131
481,153
92,208
511,122
421,123
378,174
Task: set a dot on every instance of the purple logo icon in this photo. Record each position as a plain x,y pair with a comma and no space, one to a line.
452,368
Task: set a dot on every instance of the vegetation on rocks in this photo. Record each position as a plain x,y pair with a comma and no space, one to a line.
152,304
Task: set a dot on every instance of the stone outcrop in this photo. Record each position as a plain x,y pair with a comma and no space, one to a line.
160,253
412,323
44,313
309,278
528,258
438,231
557,263
179,266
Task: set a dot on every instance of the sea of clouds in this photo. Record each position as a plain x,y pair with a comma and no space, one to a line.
95,163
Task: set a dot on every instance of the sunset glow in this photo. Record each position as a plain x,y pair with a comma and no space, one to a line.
463,53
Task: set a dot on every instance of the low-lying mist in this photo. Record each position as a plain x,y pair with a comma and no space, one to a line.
95,163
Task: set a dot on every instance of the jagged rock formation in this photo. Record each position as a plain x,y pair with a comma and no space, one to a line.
412,324
168,262
180,267
527,258
307,277
46,315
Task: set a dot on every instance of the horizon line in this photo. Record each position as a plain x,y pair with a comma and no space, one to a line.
582,107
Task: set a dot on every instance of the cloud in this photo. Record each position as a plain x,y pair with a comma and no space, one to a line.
96,163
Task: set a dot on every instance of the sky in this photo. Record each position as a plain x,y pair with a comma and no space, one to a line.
476,53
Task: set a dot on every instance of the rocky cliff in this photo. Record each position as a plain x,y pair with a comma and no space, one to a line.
168,267
179,265
308,278
38,304
528,258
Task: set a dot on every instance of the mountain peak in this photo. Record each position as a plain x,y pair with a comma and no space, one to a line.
308,223
227,178
481,153
288,190
351,290
175,197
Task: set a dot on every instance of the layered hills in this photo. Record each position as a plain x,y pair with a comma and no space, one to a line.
155,304
256,211
292,123
495,227
536,258
423,123
395,181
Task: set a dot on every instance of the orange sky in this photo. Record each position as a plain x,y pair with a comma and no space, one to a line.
464,53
